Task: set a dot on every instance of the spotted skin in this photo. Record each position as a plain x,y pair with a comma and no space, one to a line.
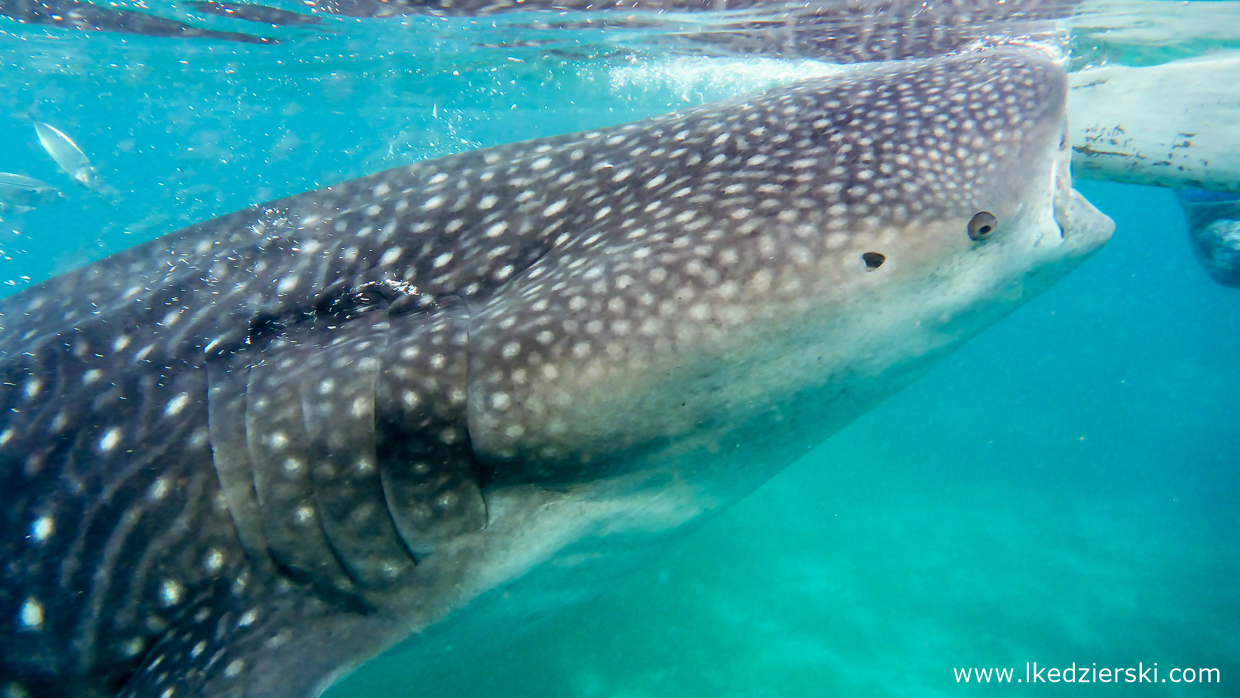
86,16
247,457
840,31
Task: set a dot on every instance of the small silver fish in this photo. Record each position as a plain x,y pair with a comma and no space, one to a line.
20,193
68,155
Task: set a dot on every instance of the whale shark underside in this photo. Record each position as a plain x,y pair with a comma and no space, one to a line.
245,458
836,30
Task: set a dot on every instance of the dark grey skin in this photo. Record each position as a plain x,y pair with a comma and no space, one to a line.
842,31
254,13
85,16
245,458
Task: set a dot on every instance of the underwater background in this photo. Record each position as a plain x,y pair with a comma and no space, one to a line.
1064,488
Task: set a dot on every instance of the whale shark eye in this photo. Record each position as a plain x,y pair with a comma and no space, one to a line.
982,225
873,260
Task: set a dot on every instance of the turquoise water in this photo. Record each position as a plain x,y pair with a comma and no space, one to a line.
1062,489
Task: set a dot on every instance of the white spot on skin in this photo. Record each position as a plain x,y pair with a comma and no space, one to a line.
42,528
234,668
159,488
6,436
110,439
198,649
279,639
91,376
214,561
176,404
488,201
170,592
199,438
555,208
33,388
287,284
761,281
391,256
133,646
247,618
32,614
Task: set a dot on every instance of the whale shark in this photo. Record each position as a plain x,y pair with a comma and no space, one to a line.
246,458
841,30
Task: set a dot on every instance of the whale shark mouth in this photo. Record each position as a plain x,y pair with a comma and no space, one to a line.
1061,183
1071,211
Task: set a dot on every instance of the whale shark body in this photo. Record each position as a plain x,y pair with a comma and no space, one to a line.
245,458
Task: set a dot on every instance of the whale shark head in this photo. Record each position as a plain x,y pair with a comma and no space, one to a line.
795,251
246,458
